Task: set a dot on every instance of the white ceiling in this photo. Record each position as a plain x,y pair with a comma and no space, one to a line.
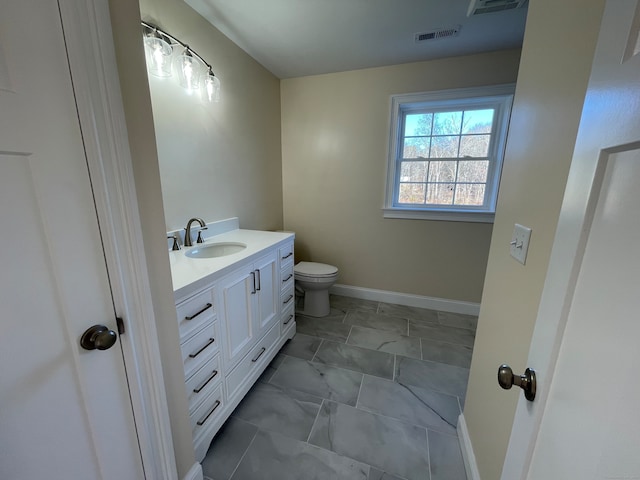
294,38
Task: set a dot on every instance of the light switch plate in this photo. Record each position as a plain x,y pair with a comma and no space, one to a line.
520,242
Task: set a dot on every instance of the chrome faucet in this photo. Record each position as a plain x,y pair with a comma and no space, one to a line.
187,235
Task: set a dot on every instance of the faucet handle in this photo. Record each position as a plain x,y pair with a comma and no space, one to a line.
200,240
175,246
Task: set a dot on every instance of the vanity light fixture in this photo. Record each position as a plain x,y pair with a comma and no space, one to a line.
191,69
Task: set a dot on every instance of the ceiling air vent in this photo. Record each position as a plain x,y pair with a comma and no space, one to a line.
438,33
480,7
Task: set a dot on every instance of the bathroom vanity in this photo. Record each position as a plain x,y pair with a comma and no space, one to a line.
235,299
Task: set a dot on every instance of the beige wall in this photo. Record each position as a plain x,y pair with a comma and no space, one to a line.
335,134
125,18
554,70
218,160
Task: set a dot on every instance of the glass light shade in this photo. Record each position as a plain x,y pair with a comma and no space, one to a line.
212,85
189,70
158,54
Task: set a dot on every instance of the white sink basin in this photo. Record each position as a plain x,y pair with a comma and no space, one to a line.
212,250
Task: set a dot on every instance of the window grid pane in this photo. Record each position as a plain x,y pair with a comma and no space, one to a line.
443,182
443,138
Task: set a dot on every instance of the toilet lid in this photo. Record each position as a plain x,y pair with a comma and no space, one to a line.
314,269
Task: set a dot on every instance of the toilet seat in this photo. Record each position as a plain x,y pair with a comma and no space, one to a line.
314,270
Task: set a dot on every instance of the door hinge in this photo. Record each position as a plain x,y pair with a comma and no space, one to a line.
120,324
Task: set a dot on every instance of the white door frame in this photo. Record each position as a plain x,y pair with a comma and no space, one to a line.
91,52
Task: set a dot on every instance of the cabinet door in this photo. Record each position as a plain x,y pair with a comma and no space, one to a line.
235,300
268,292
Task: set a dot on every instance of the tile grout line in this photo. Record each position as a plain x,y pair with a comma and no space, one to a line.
360,390
317,350
426,433
245,453
346,341
314,421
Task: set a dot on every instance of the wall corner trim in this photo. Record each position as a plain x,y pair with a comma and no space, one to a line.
194,473
468,456
410,300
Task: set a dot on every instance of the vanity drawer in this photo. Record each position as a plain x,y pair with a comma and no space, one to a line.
207,413
288,316
251,361
200,348
286,255
203,382
194,312
287,298
286,277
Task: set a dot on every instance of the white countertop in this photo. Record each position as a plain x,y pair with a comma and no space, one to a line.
189,274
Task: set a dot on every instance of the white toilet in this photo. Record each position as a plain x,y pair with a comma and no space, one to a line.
314,279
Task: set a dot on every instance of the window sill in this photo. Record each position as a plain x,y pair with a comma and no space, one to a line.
452,216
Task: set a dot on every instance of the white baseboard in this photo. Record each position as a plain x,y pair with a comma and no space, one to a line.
433,303
469,457
194,473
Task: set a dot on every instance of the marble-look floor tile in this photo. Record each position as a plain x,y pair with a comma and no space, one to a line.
345,304
320,327
383,442
440,333
320,380
412,313
301,346
271,407
227,449
271,368
470,322
449,353
411,404
446,458
377,320
273,456
384,341
375,474
436,376
361,360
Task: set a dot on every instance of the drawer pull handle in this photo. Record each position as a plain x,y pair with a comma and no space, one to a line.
215,405
206,307
194,355
288,319
204,384
287,300
288,278
287,255
258,277
262,350
253,282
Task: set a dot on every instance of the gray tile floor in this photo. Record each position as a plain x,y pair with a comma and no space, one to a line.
371,392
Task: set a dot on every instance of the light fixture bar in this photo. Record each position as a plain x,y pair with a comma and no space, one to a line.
158,30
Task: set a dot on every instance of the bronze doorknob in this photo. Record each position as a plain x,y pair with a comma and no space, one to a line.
98,337
526,382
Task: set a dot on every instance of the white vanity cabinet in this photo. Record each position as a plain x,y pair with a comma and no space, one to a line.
232,322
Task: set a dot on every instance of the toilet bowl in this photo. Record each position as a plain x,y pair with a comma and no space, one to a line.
315,279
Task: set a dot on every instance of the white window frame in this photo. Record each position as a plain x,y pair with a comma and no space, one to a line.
499,97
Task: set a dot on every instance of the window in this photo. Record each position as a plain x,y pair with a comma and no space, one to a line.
446,152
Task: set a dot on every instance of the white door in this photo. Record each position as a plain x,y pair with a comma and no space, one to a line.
65,412
585,421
